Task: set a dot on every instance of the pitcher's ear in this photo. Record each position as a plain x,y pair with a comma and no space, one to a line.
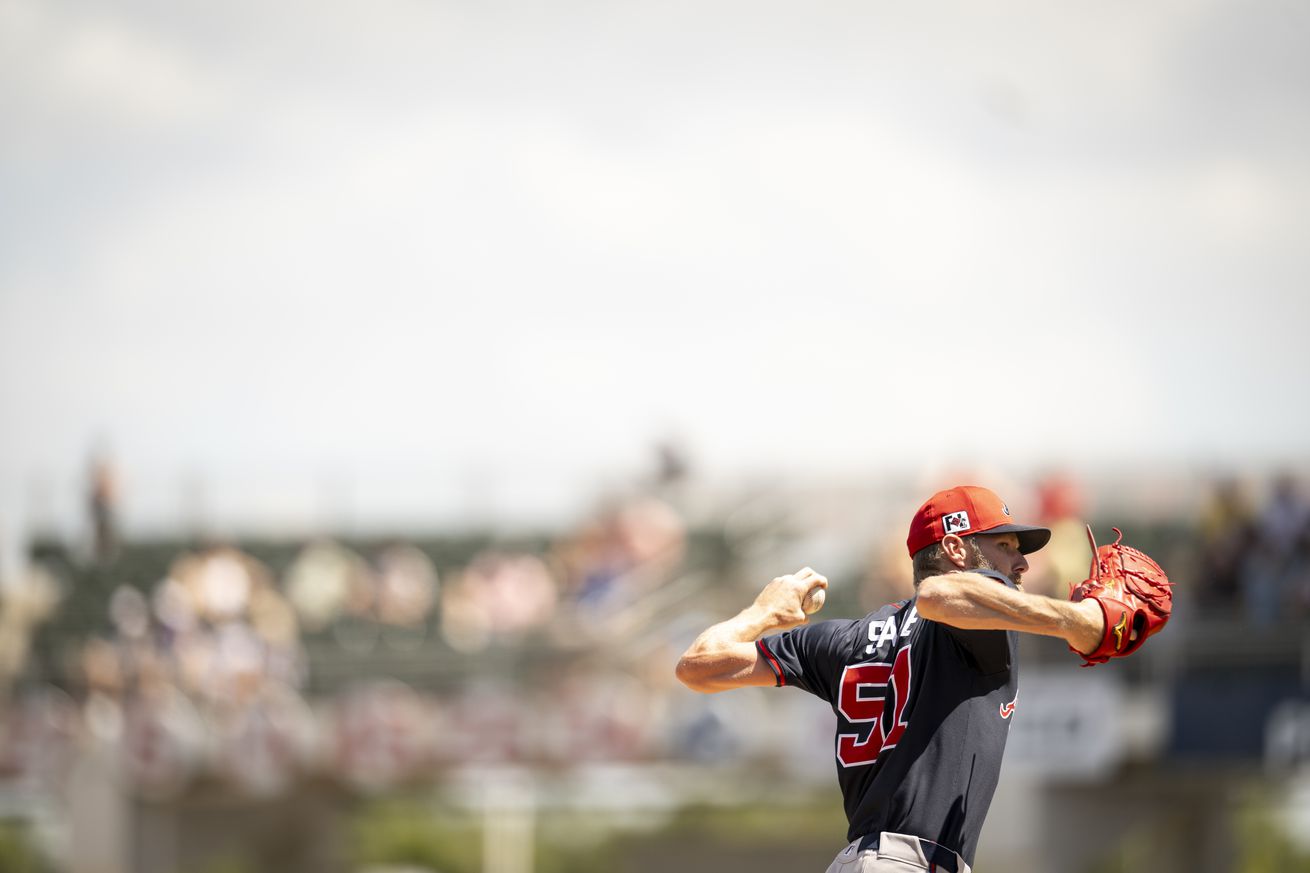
956,551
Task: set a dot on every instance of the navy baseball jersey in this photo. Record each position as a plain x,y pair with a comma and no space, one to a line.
923,712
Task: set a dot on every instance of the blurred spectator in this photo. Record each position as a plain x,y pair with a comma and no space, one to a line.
592,558
1067,556
406,594
654,538
500,596
391,598
672,466
30,600
1284,517
594,714
889,576
381,735
130,613
38,734
625,551
102,503
222,581
320,582
1227,538
264,746
1268,575
163,741
101,668
672,469
1298,575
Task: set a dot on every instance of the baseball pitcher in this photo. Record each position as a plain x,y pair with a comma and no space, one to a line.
924,689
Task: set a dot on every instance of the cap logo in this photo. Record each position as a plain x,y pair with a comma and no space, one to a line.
955,522
1005,509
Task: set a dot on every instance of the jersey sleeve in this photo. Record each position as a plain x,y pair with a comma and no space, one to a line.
988,650
810,657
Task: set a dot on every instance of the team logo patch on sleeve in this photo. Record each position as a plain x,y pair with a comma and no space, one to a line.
955,522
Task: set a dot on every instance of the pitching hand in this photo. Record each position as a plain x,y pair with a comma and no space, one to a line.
783,599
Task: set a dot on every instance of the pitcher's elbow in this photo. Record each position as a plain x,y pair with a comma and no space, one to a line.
693,676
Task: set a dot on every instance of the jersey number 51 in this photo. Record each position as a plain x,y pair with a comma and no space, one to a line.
863,699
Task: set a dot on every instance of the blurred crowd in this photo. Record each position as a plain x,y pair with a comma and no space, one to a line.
203,676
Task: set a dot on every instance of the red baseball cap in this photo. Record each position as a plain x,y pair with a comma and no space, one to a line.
966,510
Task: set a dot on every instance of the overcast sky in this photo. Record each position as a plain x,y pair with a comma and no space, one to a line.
399,244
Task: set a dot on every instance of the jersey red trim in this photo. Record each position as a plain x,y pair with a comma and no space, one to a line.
773,663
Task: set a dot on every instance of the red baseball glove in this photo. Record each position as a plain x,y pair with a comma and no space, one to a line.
1132,591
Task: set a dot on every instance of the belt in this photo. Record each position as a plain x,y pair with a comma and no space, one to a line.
938,855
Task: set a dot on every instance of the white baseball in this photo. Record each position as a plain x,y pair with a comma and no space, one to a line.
813,601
